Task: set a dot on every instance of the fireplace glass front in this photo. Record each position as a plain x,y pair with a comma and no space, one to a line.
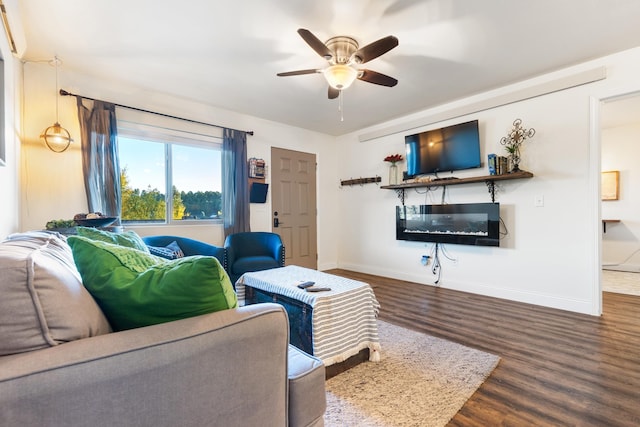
463,224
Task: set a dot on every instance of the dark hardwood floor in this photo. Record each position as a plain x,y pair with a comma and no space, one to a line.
557,368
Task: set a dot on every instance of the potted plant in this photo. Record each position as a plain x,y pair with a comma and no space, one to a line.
393,168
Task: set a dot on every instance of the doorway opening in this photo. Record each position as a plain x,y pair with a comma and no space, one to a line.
620,195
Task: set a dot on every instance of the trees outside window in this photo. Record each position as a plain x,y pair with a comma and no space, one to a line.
150,167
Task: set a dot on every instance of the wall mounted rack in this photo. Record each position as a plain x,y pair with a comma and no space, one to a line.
361,181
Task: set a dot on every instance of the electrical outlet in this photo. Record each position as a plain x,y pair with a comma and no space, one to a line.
425,260
538,201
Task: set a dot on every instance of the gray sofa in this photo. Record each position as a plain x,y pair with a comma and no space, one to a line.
229,368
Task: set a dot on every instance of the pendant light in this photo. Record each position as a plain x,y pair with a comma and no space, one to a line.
56,137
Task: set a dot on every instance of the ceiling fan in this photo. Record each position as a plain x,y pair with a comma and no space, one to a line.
344,55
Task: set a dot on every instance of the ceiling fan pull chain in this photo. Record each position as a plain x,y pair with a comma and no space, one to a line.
340,106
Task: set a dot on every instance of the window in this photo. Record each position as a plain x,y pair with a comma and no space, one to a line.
155,163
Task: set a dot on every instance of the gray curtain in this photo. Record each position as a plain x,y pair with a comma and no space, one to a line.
235,182
100,165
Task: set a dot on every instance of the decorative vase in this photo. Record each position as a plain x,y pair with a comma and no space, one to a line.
393,174
514,160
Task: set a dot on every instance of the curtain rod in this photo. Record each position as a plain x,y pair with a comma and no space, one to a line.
65,93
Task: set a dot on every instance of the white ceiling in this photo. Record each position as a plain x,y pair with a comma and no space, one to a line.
227,53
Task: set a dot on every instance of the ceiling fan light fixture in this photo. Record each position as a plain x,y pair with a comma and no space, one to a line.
340,76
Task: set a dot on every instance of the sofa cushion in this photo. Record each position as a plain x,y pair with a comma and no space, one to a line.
136,289
129,239
307,398
171,251
43,302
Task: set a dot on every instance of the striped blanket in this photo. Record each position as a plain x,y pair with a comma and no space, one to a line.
344,318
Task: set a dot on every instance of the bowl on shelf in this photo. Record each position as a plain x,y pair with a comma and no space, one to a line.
103,221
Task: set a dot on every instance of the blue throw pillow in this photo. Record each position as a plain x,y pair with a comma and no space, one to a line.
171,251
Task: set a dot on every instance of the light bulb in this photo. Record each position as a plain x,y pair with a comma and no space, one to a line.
340,76
57,138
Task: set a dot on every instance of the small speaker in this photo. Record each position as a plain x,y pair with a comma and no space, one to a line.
258,193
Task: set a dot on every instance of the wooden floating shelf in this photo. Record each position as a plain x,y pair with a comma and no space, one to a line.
361,181
490,180
458,181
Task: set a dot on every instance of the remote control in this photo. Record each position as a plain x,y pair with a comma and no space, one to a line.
318,289
304,285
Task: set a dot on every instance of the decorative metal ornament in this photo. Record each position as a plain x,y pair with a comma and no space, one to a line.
514,140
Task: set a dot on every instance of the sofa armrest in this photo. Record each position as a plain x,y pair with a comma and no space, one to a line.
228,367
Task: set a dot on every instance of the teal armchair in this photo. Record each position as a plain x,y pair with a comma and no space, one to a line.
253,251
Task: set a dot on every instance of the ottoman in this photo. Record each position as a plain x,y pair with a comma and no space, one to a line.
332,325
300,313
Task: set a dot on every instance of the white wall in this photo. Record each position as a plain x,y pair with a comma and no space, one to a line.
621,152
52,184
9,186
548,258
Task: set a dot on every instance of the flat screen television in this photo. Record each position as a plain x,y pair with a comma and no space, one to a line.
447,149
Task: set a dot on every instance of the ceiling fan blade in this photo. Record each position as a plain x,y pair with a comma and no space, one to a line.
298,72
315,43
377,78
375,49
333,93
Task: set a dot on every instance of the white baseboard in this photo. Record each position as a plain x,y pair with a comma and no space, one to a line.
528,297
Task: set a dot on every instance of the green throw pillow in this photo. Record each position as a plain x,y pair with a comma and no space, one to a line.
130,239
137,289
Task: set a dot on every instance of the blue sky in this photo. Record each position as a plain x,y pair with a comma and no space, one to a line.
194,168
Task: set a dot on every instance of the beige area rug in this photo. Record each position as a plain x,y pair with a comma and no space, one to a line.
621,282
420,381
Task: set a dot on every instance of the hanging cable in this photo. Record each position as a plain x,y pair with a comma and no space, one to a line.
436,268
445,253
504,233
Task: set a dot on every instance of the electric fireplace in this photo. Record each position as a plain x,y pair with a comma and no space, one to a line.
462,224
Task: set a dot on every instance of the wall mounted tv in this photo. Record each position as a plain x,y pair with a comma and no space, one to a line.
447,149
463,224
